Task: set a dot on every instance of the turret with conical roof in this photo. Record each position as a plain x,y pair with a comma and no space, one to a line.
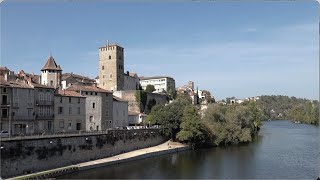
51,73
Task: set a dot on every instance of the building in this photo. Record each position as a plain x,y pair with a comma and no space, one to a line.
44,108
69,79
70,111
99,106
160,83
51,74
131,81
136,118
120,112
23,120
5,101
111,67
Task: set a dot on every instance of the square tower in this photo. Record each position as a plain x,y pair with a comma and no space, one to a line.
111,67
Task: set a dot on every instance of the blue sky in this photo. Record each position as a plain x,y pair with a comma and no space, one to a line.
231,48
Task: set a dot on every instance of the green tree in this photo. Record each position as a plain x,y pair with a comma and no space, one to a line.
191,127
150,88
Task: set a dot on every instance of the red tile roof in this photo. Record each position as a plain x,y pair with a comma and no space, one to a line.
68,93
87,88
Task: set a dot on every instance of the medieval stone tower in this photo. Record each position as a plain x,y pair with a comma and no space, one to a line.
51,74
111,70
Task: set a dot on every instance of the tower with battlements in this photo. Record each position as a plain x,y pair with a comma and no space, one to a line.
111,67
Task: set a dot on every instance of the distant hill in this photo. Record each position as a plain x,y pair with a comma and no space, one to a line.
291,108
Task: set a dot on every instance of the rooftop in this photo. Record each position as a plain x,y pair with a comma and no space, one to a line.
87,88
68,93
115,98
51,65
154,77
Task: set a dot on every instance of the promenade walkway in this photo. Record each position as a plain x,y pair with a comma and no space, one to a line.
164,148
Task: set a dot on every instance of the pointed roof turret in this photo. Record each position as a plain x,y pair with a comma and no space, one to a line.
51,65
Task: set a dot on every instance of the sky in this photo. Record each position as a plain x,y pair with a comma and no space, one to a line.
230,48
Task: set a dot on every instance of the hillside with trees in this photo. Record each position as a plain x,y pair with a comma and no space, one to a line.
289,108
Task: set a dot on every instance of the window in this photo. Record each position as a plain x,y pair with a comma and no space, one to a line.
70,125
5,113
78,100
70,110
97,128
51,83
49,125
93,105
78,126
86,93
103,76
102,67
60,99
110,122
91,93
4,90
61,124
60,110
69,99
91,118
78,110
96,93
110,76
109,57
4,100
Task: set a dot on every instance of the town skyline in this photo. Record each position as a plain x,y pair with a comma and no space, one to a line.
278,56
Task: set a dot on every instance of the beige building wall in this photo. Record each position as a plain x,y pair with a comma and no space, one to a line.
120,113
70,113
111,67
51,78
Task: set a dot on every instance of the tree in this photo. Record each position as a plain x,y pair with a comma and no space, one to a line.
150,88
191,127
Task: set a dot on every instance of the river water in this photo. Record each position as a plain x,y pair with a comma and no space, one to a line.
283,150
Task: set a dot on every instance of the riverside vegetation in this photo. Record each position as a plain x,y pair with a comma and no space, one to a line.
221,125
284,107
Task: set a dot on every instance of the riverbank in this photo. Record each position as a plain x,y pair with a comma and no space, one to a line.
165,148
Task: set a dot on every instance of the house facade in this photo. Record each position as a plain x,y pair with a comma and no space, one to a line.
70,111
120,112
99,107
160,83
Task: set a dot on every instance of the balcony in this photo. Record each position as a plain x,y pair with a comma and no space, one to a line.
44,116
44,103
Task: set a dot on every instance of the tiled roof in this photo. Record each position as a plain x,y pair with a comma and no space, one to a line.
18,84
132,113
68,93
36,85
51,65
87,88
154,77
115,98
4,69
3,82
67,75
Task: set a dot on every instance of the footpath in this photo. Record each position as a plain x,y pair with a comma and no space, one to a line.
165,148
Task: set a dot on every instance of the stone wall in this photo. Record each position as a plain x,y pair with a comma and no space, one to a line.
26,156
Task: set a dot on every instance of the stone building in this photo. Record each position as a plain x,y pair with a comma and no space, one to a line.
99,106
69,79
120,112
111,67
131,81
136,118
44,108
70,111
51,74
5,101
160,83
23,106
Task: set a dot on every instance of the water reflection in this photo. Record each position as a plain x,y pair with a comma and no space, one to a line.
282,150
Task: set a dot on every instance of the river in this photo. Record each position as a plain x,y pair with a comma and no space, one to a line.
283,150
